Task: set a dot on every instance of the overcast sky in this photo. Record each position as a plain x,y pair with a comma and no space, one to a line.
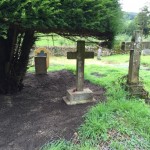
133,5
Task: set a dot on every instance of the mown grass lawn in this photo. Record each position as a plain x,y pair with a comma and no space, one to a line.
121,123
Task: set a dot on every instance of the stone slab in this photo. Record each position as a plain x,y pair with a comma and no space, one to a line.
78,97
40,65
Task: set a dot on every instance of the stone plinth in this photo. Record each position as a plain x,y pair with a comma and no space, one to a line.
137,90
40,65
78,97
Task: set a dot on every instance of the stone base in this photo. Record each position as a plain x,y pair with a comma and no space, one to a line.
78,97
137,90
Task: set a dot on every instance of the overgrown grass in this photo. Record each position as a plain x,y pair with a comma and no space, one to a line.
118,124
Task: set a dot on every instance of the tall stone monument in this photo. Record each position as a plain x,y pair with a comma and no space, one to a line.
79,94
133,83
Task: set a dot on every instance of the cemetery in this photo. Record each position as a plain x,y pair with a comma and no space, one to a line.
41,102
90,93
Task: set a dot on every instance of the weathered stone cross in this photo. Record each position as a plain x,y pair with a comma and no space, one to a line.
80,55
134,86
135,54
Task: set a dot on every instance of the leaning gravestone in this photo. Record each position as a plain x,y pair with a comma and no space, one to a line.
41,60
79,94
134,85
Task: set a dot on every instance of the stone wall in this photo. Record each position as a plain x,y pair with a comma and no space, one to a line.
62,51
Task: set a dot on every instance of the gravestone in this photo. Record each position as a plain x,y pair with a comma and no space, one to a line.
79,94
40,65
40,52
133,84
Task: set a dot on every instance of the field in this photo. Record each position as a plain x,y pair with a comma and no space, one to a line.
122,122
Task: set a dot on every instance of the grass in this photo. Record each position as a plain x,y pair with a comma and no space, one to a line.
115,59
53,41
121,123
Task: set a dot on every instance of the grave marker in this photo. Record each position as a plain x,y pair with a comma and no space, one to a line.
40,65
79,95
134,86
43,52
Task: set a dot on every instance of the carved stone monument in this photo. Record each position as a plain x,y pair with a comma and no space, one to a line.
134,86
79,94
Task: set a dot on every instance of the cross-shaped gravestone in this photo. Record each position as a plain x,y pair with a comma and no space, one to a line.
135,53
80,55
79,95
134,85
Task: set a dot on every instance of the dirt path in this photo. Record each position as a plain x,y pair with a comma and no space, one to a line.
37,115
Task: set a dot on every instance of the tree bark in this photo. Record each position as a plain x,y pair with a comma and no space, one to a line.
14,56
2,64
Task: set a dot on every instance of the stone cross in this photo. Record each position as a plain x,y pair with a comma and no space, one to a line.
80,55
135,54
133,84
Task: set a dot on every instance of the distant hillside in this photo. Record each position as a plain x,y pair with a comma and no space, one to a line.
130,15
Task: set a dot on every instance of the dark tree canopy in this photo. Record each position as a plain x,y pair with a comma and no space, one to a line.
98,18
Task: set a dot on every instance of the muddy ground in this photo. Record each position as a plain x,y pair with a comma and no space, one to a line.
38,114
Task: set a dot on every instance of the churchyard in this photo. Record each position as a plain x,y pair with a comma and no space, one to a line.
63,93
118,122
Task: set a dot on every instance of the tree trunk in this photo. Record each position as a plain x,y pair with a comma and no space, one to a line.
14,56
2,65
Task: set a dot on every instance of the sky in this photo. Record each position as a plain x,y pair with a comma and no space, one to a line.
133,5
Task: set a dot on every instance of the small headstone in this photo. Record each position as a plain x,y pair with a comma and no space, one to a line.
40,52
40,65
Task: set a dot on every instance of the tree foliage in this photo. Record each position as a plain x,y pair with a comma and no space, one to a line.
140,21
143,20
89,17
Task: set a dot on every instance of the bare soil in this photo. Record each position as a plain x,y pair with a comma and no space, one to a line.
38,114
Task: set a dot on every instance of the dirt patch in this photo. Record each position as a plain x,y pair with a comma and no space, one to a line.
38,114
